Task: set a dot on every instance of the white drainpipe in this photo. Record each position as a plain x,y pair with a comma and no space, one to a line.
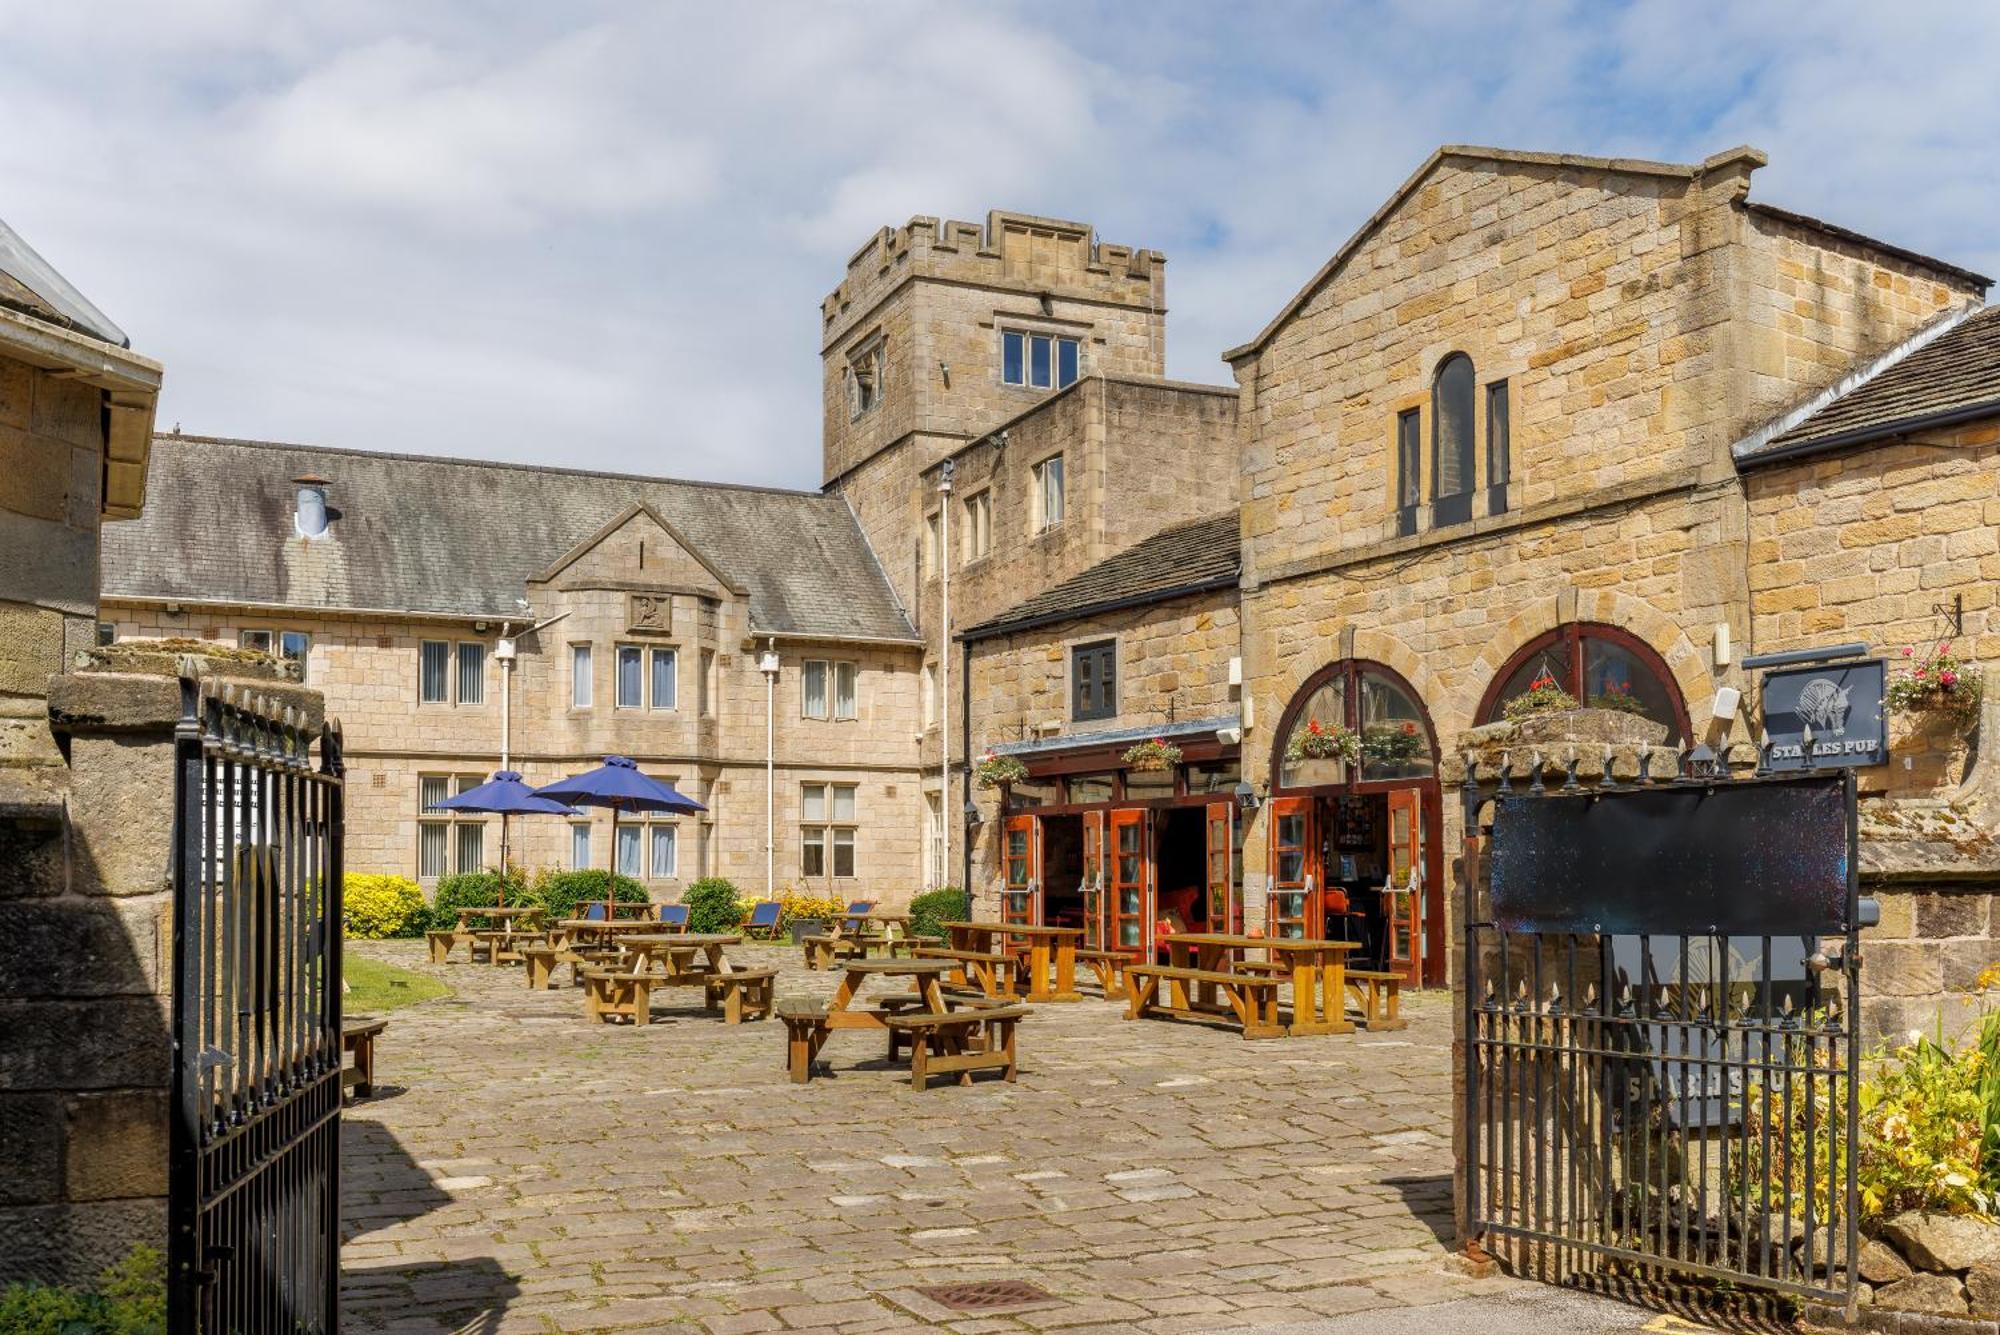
768,665
944,655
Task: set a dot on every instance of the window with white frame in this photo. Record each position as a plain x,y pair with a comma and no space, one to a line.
293,647
628,851
846,691
976,532
1049,493
434,672
812,688
260,640
826,830
447,841
666,679
579,676
935,842
663,862
931,545
1039,361
579,847
631,681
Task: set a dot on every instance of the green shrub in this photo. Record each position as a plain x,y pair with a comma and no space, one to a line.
712,905
130,1299
929,912
561,891
477,889
375,907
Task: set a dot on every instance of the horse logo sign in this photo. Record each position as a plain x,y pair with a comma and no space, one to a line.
1837,705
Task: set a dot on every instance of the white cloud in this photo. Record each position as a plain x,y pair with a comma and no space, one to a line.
598,233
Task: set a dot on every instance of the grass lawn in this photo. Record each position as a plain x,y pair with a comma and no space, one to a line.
374,987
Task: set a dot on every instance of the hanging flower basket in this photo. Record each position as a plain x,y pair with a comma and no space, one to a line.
1158,754
1543,696
1317,741
1392,743
1936,683
993,770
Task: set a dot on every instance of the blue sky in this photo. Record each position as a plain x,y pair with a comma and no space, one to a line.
598,233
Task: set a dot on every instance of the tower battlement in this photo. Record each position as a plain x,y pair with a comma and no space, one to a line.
1012,251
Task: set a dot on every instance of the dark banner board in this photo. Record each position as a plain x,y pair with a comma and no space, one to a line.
1840,702
1744,858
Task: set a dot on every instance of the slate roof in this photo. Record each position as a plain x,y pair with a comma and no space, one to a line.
1955,376
460,538
1187,558
29,284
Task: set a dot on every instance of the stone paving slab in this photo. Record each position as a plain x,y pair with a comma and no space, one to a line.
526,1171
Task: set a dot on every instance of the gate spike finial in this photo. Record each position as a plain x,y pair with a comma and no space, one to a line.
1569,783
1506,771
1535,784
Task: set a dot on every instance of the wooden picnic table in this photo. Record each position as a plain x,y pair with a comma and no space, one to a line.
675,952
1051,953
625,989
926,980
1319,972
504,915
604,931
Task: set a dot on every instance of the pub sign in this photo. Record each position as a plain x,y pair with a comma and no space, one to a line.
1840,702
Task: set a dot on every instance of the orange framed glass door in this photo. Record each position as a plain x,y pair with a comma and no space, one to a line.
1225,911
1129,908
1294,910
1402,899
1020,896
1093,880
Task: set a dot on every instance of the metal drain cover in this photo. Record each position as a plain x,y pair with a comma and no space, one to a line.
985,1295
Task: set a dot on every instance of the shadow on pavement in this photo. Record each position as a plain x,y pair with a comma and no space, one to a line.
1428,1199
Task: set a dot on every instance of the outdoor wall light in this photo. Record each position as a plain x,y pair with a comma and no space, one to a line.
1246,796
972,816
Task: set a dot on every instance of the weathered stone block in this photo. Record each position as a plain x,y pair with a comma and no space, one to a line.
116,1145
1880,1263
1942,1241
72,948
1954,913
1905,968
31,645
1938,1295
30,1147
1982,1289
117,1043
73,1244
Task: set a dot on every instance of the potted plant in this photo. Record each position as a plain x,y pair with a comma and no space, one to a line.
994,770
1393,743
1157,754
1543,696
803,915
1320,741
1937,683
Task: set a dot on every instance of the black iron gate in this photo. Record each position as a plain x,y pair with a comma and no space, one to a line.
254,1185
1660,1019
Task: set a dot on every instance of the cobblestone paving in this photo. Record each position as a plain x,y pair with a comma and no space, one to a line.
521,1171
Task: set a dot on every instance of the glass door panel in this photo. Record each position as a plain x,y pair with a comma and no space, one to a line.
1294,853
1017,896
1130,908
1224,913
1093,880
1404,893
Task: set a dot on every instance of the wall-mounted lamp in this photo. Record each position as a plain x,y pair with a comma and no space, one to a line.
972,816
1246,796
944,369
999,439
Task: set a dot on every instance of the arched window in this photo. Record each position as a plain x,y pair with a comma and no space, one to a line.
1371,700
1452,444
1602,666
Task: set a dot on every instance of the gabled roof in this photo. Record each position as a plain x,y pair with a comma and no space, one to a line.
1949,373
461,538
1188,558
29,284
618,521
1476,153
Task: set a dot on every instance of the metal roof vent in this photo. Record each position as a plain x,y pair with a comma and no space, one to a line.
310,517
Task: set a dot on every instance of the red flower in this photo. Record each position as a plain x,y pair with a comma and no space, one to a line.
1944,648
1947,679
1908,651
1312,725
1409,730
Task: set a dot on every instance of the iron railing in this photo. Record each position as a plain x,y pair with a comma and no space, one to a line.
1665,1102
254,1178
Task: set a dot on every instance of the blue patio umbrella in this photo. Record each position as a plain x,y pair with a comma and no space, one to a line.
618,785
505,795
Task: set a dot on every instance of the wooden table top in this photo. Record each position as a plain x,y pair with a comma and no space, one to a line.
1233,941
1016,929
688,939
612,924
896,968
497,911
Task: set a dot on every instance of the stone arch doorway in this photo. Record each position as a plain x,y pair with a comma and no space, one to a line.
1357,844
1600,665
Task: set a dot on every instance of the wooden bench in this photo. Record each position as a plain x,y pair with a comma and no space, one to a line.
1253,997
741,993
978,1038
1379,998
993,973
611,994
823,950
442,942
804,1019
1109,966
539,961
357,1037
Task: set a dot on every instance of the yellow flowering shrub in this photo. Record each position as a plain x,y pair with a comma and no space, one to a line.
381,906
796,905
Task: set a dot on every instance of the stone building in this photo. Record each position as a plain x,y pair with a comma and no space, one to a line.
83,1066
